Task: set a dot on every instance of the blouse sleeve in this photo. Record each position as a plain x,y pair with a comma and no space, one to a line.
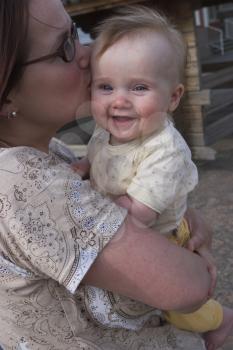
164,175
56,224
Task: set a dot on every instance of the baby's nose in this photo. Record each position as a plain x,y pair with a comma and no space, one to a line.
120,101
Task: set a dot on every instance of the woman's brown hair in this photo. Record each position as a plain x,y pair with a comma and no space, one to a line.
13,41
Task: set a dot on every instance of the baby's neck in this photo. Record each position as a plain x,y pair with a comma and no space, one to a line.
115,142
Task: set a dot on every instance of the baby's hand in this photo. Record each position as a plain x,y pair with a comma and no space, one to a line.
141,213
82,167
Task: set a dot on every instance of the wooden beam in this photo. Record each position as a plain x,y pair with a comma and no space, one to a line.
193,125
218,78
192,83
197,98
195,139
221,128
96,5
186,25
203,153
190,111
192,70
213,2
219,112
192,54
190,38
219,98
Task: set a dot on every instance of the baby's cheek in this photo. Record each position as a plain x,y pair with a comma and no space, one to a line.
152,114
98,111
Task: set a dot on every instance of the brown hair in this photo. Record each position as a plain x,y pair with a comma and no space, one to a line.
132,20
13,34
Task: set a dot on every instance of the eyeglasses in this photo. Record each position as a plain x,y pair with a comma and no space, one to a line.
66,51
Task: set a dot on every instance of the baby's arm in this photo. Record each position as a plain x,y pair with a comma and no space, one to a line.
82,166
140,211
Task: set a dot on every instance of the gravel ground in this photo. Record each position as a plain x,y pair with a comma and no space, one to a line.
214,198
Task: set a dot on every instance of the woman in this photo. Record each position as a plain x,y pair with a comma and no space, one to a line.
57,235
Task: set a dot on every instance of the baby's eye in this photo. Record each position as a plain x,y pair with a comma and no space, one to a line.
140,87
105,87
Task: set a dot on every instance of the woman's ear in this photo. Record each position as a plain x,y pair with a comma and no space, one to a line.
176,97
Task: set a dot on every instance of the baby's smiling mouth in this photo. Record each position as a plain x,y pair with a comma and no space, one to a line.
123,118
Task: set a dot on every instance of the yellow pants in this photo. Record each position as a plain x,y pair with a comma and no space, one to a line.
209,316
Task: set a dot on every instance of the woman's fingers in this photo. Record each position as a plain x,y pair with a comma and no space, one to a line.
201,232
195,242
204,252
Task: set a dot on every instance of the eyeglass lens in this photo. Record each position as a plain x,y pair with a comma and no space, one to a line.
66,51
69,47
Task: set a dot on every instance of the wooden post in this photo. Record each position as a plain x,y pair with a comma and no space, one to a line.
189,116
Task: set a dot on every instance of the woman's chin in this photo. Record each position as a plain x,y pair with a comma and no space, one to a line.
83,110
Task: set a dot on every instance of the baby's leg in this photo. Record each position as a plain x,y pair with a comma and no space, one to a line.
214,336
214,339
207,318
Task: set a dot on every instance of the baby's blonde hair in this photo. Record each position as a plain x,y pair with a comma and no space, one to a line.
131,20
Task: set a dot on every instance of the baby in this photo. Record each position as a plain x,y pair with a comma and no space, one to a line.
136,154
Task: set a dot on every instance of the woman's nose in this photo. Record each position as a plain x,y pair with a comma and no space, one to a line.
83,56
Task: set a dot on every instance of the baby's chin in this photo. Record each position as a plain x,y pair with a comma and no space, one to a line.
119,140
114,141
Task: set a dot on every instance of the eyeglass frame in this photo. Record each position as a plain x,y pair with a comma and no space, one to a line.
60,52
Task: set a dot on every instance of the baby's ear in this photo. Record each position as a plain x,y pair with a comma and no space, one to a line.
175,97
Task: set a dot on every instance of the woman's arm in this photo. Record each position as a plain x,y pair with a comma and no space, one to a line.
145,266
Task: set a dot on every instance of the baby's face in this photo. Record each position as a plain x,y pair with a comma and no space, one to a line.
133,87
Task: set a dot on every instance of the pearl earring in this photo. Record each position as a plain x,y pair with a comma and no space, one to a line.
12,115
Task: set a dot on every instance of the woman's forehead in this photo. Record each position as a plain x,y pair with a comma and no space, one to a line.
47,21
50,13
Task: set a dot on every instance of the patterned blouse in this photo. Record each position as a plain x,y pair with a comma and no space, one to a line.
52,228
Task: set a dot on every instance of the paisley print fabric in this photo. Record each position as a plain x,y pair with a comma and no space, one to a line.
52,228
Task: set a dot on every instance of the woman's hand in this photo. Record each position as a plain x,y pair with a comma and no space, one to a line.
201,241
204,252
200,230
